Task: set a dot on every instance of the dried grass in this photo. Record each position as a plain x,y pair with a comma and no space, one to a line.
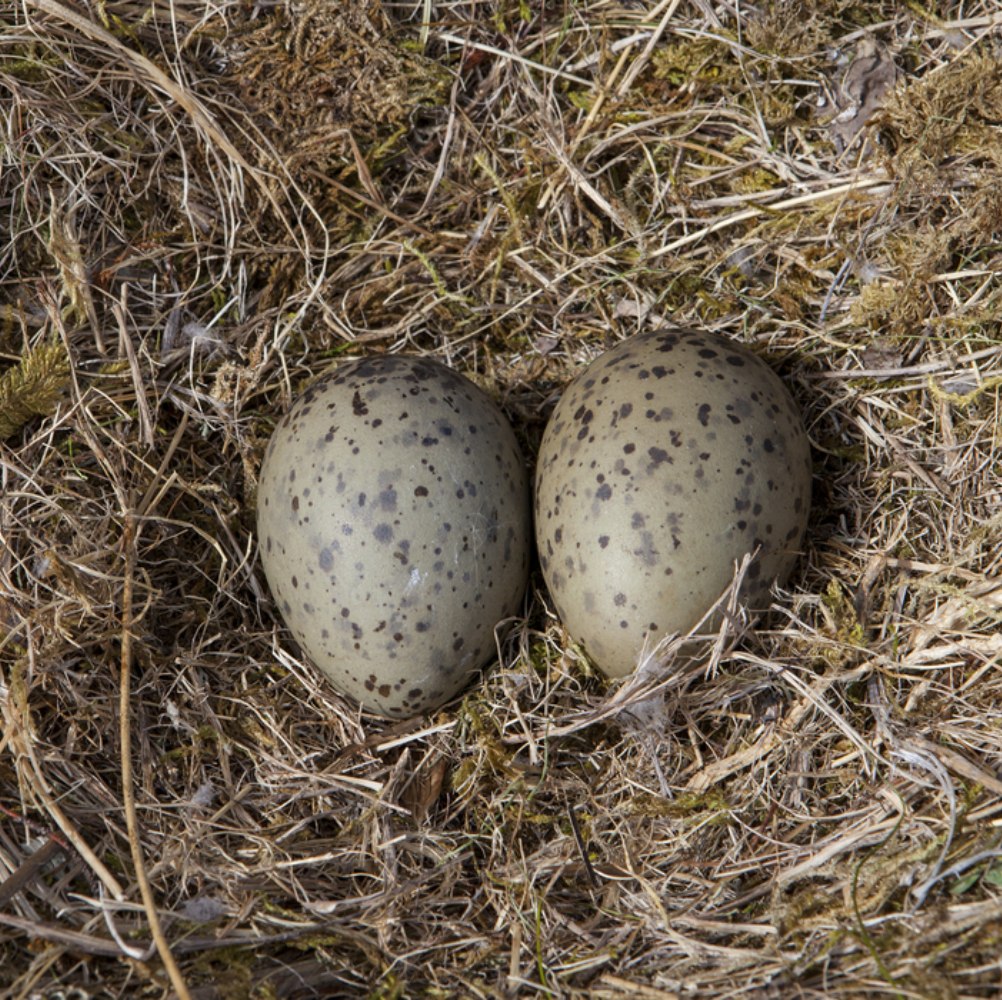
203,205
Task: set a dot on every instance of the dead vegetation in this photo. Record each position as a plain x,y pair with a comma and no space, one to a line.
203,206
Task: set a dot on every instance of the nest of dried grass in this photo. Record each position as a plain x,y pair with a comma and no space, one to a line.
203,205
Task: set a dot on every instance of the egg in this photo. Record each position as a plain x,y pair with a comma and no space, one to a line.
665,462
395,529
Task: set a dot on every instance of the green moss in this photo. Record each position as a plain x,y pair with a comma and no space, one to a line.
847,625
695,62
229,970
390,988
687,806
30,68
34,386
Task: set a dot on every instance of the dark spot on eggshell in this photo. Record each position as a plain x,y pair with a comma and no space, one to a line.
421,481
727,474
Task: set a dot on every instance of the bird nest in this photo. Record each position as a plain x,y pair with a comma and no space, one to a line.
205,206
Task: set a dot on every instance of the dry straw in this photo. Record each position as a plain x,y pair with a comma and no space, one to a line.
204,206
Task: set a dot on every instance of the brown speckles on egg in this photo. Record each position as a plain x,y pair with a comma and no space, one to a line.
423,486
726,469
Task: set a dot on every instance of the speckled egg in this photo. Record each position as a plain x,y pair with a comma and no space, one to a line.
666,461
394,526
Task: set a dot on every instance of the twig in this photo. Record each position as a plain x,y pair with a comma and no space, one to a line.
87,943
850,187
446,36
128,797
641,61
18,733
28,869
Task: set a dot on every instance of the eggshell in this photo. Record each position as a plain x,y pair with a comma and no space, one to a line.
394,526
666,461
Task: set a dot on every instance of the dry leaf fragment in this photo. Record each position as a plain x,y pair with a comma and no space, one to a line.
866,83
423,790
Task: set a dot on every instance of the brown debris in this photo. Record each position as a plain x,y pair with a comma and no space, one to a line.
861,91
